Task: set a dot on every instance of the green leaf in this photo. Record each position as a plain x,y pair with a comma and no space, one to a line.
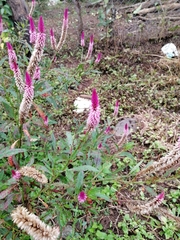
53,140
103,196
85,168
3,60
9,152
101,235
69,138
70,176
136,168
79,181
44,91
3,100
127,154
9,110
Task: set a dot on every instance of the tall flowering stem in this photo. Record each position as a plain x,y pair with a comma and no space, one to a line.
147,207
12,55
27,99
15,68
18,78
90,48
82,40
1,25
63,31
171,161
94,114
124,136
32,30
52,39
32,8
98,59
38,49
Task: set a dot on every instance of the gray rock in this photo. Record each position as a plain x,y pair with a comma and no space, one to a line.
119,128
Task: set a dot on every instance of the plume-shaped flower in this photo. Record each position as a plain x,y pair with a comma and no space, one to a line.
98,59
94,114
32,30
90,48
147,207
33,226
107,130
32,8
16,174
171,161
33,173
12,55
82,197
27,99
37,74
1,25
124,136
116,108
52,39
82,40
38,48
63,31
18,77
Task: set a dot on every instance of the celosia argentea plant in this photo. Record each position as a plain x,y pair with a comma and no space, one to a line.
69,179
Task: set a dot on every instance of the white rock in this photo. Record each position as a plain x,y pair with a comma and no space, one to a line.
81,104
52,2
170,50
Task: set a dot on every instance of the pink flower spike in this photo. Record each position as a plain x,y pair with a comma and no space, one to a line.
90,49
98,59
82,197
126,129
66,14
46,121
65,20
94,113
52,38
92,39
161,196
28,80
51,32
32,26
1,24
37,74
16,175
99,146
32,30
27,99
94,99
108,129
9,46
12,55
82,40
41,25
116,108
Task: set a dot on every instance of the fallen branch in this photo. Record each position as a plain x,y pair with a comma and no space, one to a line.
165,7
159,18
